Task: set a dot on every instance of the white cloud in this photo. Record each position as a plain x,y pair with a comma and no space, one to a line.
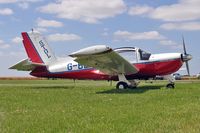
88,11
17,53
7,1
17,40
17,1
188,26
6,11
105,33
63,37
3,45
40,29
48,23
168,42
184,10
125,35
139,10
24,4
171,44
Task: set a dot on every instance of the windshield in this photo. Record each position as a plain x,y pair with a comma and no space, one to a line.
129,56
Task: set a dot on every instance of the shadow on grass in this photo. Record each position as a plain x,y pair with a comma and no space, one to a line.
137,90
52,87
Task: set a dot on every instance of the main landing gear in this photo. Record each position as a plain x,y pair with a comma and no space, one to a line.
122,85
125,84
171,80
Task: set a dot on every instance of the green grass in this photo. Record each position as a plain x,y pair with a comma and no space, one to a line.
94,106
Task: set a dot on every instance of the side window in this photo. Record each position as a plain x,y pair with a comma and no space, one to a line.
144,55
129,56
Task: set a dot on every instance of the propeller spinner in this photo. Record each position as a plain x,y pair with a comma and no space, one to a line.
186,57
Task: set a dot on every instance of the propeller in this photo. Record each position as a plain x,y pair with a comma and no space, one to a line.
186,57
185,52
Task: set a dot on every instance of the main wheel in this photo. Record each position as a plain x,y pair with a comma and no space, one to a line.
122,85
170,86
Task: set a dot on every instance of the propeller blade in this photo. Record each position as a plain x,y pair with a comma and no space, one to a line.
185,52
187,66
187,57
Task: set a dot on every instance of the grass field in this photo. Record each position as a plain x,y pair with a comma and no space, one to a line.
61,106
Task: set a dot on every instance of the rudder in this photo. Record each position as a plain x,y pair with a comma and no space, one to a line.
37,48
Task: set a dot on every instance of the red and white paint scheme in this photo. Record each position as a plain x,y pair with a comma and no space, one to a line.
98,62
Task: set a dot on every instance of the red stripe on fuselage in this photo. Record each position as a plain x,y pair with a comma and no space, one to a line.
30,49
159,67
81,74
146,70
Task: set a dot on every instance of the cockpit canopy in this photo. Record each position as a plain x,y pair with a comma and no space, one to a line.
144,55
133,54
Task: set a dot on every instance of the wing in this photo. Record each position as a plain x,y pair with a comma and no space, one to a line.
105,59
25,65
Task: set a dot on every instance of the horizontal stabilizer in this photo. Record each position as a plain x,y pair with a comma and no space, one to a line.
25,65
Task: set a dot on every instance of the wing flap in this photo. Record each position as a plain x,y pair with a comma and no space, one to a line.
106,60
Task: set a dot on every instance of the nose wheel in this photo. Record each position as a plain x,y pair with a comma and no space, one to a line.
170,85
171,80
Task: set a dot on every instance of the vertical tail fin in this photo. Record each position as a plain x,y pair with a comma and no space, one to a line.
37,48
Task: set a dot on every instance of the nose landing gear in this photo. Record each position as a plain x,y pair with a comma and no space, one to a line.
171,80
170,85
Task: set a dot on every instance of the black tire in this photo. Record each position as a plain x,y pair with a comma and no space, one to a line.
124,85
170,86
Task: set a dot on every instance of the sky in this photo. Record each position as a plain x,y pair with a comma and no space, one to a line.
69,25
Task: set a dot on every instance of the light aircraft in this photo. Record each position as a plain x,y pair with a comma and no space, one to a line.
99,62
